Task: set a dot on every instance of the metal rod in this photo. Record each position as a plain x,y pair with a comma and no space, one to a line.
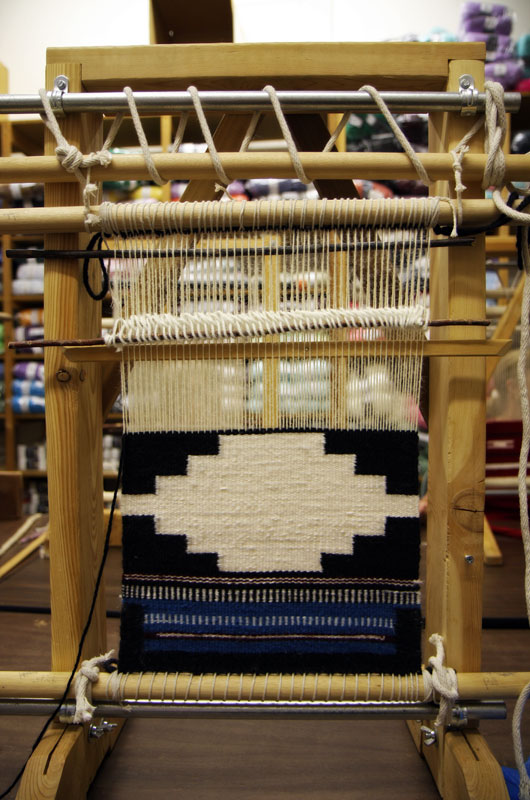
250,101
464,241
227,709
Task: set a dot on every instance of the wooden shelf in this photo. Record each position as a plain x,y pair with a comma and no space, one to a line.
28,298
28,356
34,473
29,415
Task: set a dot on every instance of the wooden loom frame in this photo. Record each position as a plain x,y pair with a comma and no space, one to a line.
461,761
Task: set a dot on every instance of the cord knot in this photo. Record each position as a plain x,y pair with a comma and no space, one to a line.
70,157
87,675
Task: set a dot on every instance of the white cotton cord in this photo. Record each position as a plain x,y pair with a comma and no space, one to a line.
208,138
337,132
458,155
398,133
495,135
251,130
287,135
444,682
147,328
73,160
87,675
524,780
179,135
142,139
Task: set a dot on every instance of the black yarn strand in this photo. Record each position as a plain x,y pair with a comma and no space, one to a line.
95,243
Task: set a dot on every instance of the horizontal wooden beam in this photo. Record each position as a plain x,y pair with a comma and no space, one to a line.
199,166
71,219
157,686
306,65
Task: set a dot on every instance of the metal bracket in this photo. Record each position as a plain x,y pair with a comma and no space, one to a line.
60,87
96,731
469,95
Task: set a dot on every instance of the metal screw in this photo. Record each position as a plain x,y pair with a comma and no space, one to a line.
466,81
63,375
429,735
469,559
61,83
99,730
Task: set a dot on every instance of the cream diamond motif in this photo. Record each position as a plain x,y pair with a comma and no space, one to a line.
271,502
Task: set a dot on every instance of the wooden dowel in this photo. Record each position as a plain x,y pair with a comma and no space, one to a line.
71,219
195,351
471,686
21,556
180,166
19,533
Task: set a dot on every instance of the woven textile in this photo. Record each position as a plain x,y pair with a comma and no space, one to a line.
270,552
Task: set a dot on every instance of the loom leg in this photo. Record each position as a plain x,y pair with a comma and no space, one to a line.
462,765
65,763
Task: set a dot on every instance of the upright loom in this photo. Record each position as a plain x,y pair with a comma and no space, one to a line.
262,344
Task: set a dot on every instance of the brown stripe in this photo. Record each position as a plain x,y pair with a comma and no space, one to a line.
277,581
265,636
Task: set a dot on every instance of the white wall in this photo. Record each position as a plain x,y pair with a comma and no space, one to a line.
352,20
28,27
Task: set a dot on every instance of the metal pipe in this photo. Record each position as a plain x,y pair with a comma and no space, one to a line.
250,101
197,709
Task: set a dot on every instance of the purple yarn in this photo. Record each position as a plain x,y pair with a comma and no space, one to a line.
497,47
482,24
29,370
487,9
507,73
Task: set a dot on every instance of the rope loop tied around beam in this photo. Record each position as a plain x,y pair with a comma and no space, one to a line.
442,680
87,675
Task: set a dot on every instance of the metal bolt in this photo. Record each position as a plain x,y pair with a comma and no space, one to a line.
429,735
469,559
63,375
99,730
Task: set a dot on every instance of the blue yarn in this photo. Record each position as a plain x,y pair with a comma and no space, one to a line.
511,776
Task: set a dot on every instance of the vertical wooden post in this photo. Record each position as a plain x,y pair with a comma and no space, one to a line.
65,762
456,476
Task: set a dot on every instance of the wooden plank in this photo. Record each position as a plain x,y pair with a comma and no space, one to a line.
228,136
21,556
492,551
507,323
455,523
472,772
311,135
321,65
64,764
433,348
73,426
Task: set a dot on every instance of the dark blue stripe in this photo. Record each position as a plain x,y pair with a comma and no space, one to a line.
247,646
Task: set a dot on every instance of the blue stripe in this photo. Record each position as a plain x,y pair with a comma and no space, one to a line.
268,618
246,646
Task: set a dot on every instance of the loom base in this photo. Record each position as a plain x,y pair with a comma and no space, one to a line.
65,763
462,765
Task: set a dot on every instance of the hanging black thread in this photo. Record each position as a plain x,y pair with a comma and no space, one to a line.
502,219
96,243
109,664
